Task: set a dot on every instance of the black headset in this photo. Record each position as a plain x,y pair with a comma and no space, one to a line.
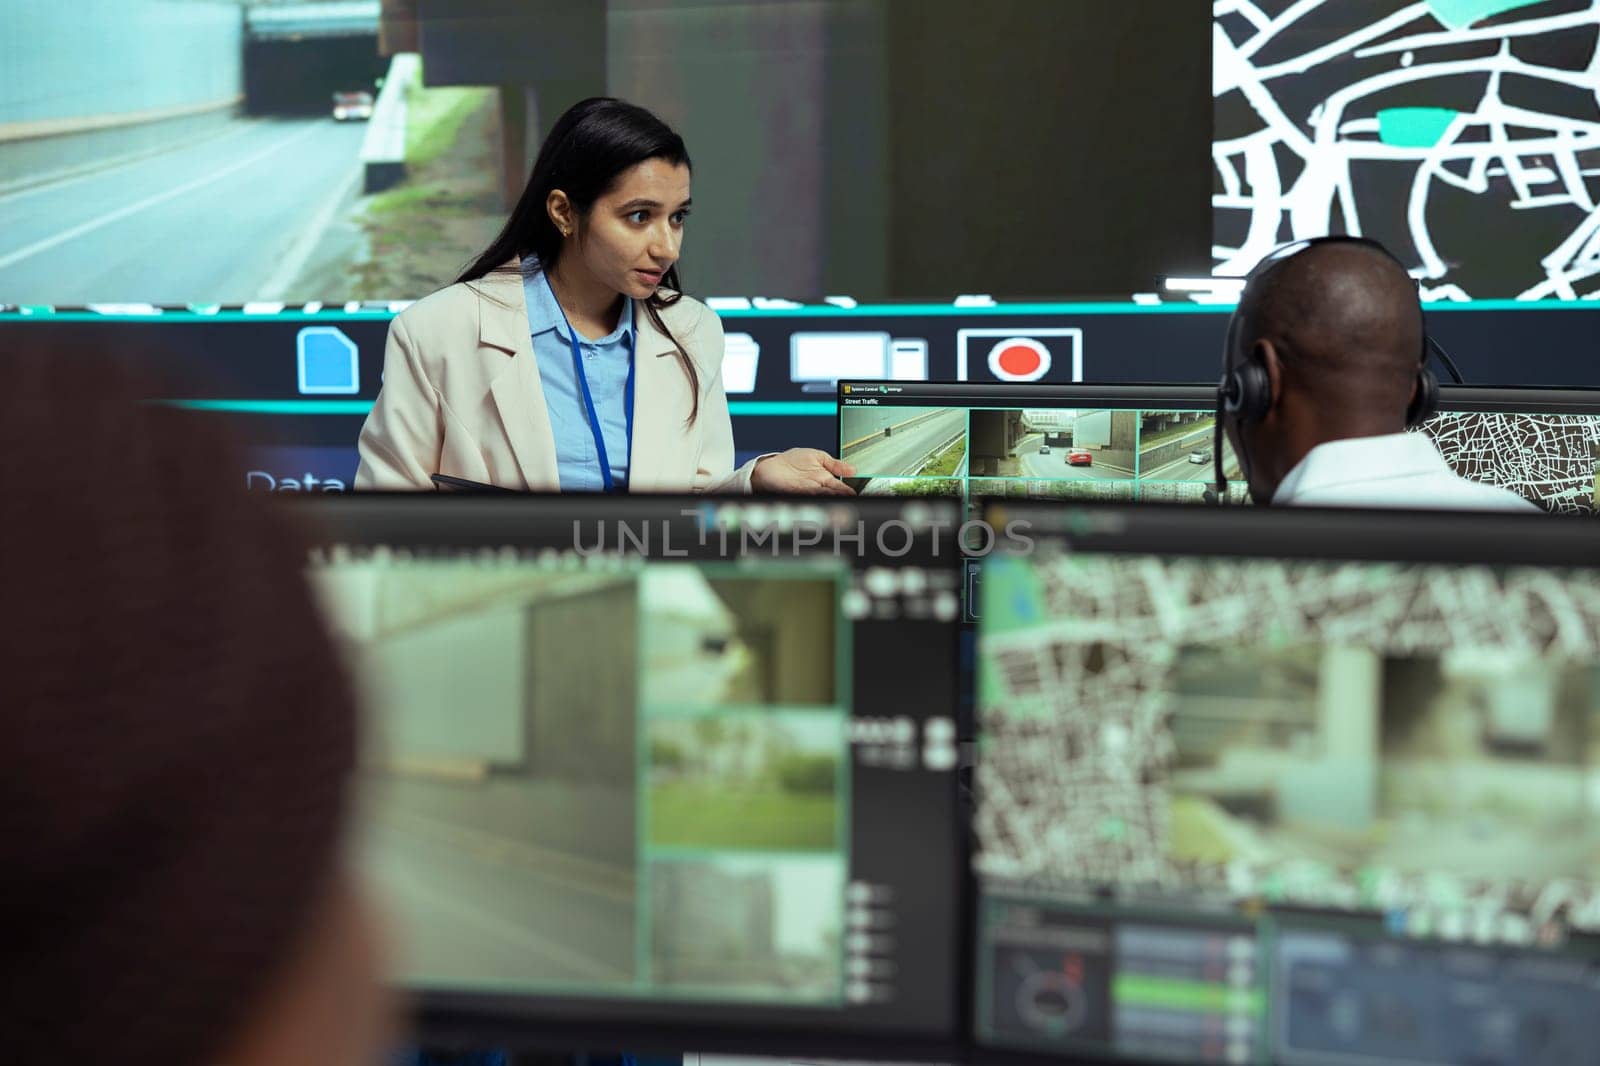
1245,394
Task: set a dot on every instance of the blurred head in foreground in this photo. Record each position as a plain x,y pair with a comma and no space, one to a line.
176,738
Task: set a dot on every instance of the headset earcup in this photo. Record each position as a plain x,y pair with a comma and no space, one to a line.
1426,403
1247,393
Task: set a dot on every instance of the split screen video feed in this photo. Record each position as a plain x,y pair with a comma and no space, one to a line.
628,782
1037,453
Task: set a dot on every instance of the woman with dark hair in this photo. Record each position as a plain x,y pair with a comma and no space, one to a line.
567,357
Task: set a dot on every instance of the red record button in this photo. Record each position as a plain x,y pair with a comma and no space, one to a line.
1019,359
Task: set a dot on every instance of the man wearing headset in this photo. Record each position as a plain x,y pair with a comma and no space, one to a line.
1324,372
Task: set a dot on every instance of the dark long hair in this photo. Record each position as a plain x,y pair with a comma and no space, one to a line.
587,149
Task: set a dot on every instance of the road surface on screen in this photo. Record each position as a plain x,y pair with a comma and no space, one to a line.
231,217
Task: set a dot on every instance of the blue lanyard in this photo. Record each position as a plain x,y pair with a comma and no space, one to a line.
588,397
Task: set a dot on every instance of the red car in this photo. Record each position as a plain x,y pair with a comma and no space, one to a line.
1080,458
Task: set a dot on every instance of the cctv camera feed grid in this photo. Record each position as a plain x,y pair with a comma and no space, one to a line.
604,778
1253,810
1045,450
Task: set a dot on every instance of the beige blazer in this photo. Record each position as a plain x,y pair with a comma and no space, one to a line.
461,396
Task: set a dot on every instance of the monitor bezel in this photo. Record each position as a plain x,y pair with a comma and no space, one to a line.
1463,537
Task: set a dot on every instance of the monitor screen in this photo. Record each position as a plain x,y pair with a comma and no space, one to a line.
198,152
1154,443
659,763
1366,116
823,358
1543,444
1292,786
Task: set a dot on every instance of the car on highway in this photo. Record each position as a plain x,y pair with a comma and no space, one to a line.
1044,449
1200,455
1080,458
352,107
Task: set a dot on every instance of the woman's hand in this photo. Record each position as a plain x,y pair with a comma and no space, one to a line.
802,471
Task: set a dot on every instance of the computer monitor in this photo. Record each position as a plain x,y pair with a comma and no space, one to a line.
1289,786
657,771
1153,443
817,360
1543,444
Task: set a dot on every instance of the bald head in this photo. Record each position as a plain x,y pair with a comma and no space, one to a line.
1337,331
1344,322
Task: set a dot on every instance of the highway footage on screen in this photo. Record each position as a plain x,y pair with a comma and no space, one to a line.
603,780
1360,738
290,157
1047,452
1154,455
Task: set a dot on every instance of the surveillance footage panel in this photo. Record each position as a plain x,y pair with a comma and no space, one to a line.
1248,808
1056,442
1157,443
578,705
650,762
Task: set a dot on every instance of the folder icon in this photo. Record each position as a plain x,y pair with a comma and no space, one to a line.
741,356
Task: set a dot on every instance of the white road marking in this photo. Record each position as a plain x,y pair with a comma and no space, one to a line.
151,201
75,176
299,254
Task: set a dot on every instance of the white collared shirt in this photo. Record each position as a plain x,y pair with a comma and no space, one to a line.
1394,470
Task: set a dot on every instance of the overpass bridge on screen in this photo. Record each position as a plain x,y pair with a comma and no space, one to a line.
313,19
297,55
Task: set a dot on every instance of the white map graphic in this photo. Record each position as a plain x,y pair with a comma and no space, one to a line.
1080,755
1464,134
1548,458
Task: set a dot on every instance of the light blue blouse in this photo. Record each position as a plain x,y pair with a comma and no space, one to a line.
605,365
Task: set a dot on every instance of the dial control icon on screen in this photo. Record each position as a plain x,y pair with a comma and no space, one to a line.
1051,1001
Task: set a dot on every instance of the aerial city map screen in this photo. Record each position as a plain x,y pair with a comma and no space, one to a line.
1238,805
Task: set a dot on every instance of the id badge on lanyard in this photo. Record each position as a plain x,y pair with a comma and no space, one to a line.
588,397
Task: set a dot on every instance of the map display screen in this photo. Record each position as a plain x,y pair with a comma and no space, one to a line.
1547,457
1289,787
1461,133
